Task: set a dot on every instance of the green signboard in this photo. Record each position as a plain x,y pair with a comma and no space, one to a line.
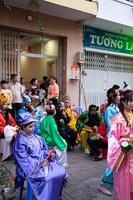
104,40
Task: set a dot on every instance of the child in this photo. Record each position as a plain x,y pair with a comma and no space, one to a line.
30,151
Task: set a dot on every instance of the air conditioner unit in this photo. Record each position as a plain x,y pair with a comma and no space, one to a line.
81,56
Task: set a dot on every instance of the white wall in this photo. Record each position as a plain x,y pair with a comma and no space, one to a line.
97,82
116,12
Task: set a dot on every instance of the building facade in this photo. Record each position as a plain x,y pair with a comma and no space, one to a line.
108,46
40,38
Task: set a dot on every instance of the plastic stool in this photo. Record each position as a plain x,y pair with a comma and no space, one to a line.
28,192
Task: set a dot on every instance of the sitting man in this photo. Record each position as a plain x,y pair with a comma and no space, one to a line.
87,124
97,142
62,119
35,163
72,114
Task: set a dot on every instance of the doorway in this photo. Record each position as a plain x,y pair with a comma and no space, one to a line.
38,57
51,67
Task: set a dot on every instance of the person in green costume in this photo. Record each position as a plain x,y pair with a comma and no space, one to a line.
49,131
87,124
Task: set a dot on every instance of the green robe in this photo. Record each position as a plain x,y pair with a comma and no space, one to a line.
49,131
82,118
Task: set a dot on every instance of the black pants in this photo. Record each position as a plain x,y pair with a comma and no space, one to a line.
15,108
69,135
54,102
95,145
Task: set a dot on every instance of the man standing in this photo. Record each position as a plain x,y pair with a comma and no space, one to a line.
17,92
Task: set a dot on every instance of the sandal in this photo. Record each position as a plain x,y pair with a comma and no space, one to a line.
104,191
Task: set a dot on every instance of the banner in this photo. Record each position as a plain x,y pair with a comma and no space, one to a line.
104,40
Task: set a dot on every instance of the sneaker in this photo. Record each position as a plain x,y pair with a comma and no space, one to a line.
104,191
87,151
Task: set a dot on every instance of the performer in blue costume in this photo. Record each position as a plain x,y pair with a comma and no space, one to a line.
106,183
29,151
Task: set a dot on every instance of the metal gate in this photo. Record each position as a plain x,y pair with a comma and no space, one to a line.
9,53
102,72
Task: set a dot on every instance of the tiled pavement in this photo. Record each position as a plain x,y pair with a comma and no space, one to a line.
83,180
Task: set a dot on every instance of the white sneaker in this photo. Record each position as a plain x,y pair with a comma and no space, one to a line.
87,151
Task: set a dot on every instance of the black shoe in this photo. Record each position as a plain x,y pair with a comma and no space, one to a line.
97,158
70,148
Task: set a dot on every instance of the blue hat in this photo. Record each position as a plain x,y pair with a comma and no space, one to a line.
25,118
26,99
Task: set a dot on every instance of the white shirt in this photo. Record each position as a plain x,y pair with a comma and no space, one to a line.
17,91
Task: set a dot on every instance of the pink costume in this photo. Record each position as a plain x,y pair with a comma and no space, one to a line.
123,177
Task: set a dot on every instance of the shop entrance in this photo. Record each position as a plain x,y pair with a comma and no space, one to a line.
31,56
39,56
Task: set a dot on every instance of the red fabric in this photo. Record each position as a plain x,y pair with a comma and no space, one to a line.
103,108
3,122
102,130
104,153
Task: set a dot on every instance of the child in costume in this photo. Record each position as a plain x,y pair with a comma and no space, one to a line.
33,162
7,127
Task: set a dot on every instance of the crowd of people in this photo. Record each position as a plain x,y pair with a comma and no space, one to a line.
38,129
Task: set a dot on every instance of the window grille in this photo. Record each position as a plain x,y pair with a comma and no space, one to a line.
9,54
97,61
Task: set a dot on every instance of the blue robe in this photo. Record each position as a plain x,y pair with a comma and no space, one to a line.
107,179
110,112
29,152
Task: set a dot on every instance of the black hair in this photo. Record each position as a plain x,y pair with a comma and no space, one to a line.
3,82
93,120
45,78
126,97
21,80
92,106
54,78
50,111
116,87
109,91
111,94
25,125
13,76
32,81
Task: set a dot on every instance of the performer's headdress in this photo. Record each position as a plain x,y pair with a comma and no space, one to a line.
4,99
25,119
66,97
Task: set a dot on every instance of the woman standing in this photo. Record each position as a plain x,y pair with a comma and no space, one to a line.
53,91
106,183
34,91
121,161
